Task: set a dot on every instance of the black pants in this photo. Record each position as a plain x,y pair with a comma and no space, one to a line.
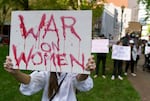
131,65
117,67
101,57
137,59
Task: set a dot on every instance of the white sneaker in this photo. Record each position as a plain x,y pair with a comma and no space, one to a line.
125,74
120,78
103,76
113,77
95,76
133,74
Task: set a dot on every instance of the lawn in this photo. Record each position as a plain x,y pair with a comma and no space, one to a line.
104,89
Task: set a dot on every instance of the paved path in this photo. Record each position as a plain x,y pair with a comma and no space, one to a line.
142,81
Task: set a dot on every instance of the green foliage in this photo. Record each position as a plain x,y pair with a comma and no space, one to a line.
21,4
3,14
97,12
5,10
104,89
6,6
147,5
47,5
146,2
148,29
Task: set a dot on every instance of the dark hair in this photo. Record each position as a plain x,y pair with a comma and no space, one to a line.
53,84
101,35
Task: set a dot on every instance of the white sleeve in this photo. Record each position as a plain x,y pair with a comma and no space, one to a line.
85,85
36,83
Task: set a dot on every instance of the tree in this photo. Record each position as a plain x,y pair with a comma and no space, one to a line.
6,6
148,29
5,10
147,5
20,4
62,5
49,4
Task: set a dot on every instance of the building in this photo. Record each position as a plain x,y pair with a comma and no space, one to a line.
114,21
110,26
117,16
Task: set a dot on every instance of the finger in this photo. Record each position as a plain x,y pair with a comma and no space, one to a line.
5,65
90,67
93,65
8,58
92,62
91,58
8,65
8,61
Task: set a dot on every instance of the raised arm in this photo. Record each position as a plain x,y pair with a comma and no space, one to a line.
17,74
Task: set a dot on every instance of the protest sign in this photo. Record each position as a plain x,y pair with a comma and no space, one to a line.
147,49
121,52
100,46
51,40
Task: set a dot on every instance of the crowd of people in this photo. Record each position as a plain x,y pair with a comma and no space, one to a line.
121,67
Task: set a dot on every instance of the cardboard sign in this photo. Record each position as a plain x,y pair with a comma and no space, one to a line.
147,49
121,52
100,46
51,40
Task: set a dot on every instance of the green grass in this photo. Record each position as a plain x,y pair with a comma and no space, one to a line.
108,90
104,89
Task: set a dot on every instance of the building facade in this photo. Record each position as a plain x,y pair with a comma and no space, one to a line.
117,16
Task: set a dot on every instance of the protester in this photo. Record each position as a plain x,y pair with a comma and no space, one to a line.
139,52
55,86
125,39
147,56
146,44
101,57
131,63
117,67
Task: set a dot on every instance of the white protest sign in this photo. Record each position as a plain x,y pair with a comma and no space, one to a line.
100,46
147,49
121,52
51,40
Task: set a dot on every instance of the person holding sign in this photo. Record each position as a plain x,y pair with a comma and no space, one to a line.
117,66
101,57
147,55
56,86
131,63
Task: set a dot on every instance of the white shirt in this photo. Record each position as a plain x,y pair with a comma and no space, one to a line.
40,80
139,51
134,53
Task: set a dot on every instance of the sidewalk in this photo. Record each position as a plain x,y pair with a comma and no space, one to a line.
142,81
